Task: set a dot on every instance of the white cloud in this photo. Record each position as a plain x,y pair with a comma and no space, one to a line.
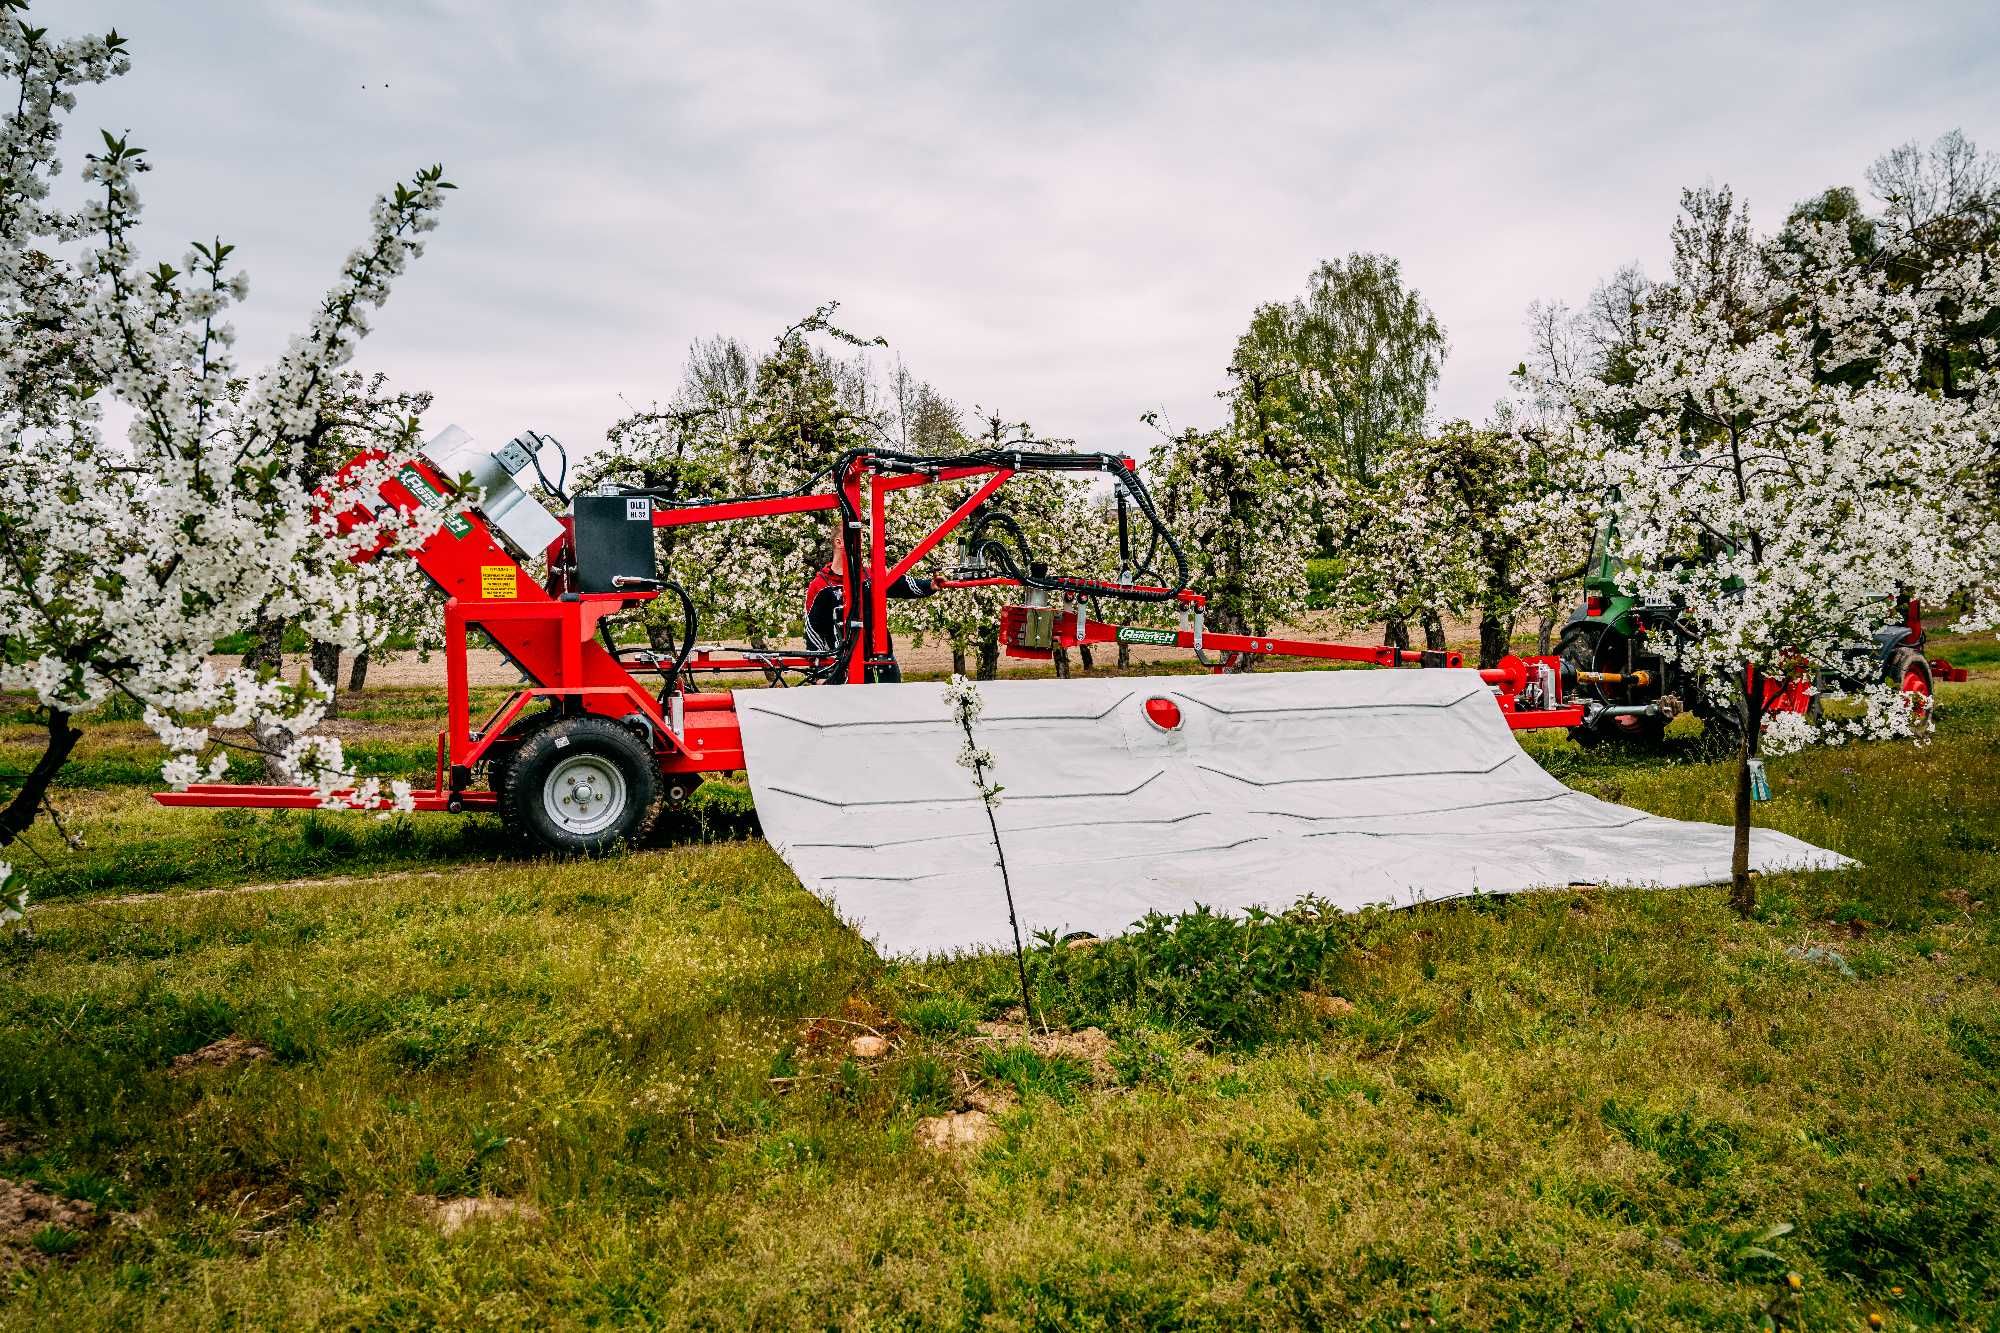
1063,212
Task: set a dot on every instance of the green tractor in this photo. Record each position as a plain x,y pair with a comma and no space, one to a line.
1617,651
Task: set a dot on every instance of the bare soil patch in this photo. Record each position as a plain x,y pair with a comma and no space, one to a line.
238,889
1087,1045
29,1214
15,1141
487,667
958,1130
451,1216
1328,1006
224,1054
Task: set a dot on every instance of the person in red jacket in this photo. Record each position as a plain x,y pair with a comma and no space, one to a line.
826,599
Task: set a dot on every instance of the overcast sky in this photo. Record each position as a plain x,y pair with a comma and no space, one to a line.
1063,212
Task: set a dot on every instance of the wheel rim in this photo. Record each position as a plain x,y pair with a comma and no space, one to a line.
585,794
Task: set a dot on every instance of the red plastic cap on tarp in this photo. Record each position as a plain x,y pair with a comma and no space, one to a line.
1163,713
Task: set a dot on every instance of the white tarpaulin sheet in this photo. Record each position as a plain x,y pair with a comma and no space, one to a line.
1358,787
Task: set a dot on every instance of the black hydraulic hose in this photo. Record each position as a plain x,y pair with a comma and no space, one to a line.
557,488
1018,460
1128,483
689,631
1125,561
689,622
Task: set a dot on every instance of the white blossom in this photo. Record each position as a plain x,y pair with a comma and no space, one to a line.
966,705
127,558
963,696
1783,468
1244,500
15,906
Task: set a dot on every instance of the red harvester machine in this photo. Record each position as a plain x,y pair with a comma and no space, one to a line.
601,736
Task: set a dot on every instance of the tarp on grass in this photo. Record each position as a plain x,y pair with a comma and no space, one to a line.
1357,787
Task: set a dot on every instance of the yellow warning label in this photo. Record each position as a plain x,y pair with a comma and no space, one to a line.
496,581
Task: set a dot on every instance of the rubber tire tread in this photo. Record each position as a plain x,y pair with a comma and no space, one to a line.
521,800
1902,662
501,770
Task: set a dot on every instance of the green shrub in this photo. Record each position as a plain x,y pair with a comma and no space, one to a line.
1222,976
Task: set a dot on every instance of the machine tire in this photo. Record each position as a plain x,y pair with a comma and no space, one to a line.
499,769
615,773
1909,671
1582,646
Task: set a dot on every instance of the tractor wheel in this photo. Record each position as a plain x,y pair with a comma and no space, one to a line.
500,768
1589,647
1907,670
581,786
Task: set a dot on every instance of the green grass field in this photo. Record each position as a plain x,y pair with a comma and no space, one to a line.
1584,1108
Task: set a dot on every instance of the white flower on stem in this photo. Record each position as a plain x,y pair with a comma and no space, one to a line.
965,701
963,696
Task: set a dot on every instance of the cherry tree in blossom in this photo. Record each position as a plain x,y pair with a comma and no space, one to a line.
1246,500
1403,553
125,555
1786,463
750,425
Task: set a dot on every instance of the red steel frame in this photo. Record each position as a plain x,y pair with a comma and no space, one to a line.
550,633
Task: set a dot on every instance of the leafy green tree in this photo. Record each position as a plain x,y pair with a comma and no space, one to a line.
1350,365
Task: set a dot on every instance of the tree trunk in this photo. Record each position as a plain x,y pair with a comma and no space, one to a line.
357,673
269,741
267,645
958,659
1434,631
1493,640
1124,656
1060,659
1545,632
1742,893
1085,659
989,654
326,665
1396,632
19,816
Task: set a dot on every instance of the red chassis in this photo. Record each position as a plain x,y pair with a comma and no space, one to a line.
550,630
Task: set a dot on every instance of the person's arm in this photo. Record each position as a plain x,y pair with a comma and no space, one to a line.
909,587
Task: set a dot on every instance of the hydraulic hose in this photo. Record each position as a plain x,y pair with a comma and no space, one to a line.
1025,571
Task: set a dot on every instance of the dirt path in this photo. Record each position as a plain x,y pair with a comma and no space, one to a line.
238,890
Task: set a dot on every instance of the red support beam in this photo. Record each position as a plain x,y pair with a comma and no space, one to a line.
721,513
956,517
878,568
